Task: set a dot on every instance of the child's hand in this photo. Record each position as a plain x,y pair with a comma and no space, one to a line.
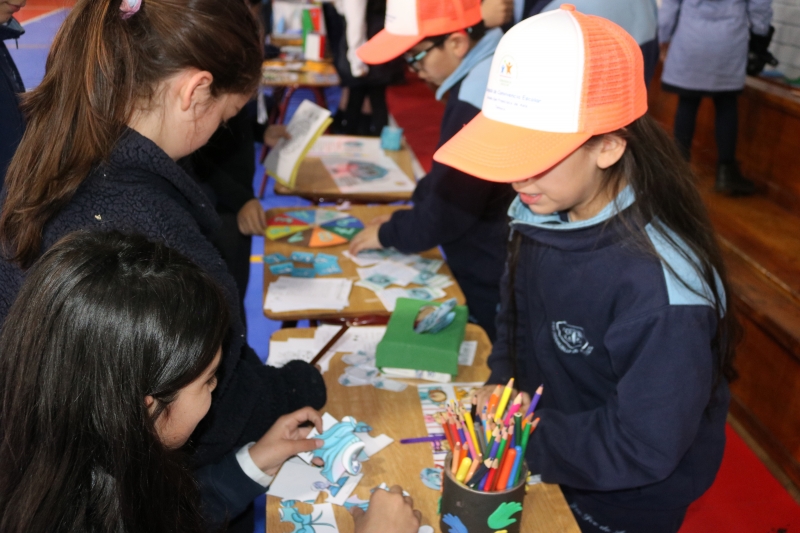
497,12
274,133
251,218
366,239
389,512
483,394
286,439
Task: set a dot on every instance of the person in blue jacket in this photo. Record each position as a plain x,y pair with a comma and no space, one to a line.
707,56
464,215
614,297
108,363
12,123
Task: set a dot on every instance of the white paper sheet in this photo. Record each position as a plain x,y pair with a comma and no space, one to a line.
297,294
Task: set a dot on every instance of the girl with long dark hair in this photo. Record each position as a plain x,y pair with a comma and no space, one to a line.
130,87
614,295
108,360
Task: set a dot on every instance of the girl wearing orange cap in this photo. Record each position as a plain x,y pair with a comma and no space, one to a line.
614,291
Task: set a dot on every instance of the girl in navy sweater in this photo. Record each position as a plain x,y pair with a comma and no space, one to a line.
614,295
108,362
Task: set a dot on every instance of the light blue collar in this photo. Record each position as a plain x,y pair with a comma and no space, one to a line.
520,214
482,49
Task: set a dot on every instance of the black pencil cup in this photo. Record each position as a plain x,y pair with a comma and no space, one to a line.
477,511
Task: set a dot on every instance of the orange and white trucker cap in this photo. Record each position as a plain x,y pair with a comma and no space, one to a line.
409,22
556,80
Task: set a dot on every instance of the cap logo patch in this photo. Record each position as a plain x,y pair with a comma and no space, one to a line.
508,69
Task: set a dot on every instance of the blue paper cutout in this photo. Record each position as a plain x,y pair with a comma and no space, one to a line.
303,523
340,451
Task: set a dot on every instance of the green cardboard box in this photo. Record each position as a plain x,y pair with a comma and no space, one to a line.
401,347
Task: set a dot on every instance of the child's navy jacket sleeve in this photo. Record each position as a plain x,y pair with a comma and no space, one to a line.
447,202
225,489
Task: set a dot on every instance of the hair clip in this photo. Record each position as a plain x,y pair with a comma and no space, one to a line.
129,8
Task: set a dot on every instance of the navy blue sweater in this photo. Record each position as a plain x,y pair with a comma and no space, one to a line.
141,190
463,214
629,413
12,123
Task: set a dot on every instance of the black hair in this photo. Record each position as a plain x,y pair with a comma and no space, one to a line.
102,320
666,197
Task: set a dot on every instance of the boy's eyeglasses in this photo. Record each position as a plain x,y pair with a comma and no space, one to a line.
415,61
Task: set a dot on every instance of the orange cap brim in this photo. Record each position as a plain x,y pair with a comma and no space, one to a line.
495,151
385,46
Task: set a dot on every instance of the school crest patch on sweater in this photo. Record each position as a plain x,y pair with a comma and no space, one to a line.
570,339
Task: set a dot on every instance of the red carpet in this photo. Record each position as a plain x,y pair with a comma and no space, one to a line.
745,498
416,110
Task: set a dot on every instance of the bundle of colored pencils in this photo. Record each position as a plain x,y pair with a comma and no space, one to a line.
488,450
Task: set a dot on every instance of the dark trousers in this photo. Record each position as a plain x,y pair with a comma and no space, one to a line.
726,124
380,111
594,516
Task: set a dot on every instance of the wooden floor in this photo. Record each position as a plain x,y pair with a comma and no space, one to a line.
760,241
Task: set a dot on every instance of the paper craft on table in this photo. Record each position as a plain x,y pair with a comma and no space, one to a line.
320,519
297,480
434,399
307,123
397,273
354,174
372,445
297,294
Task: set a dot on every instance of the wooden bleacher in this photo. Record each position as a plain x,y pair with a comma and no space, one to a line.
760,238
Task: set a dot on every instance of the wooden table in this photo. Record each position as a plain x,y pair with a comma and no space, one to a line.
399,415
315,183
363,302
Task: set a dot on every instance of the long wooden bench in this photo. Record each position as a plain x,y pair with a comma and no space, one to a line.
760,238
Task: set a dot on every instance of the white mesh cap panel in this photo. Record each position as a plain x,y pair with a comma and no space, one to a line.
401,17
534,90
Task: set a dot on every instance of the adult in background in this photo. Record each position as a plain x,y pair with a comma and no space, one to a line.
708,55
12,123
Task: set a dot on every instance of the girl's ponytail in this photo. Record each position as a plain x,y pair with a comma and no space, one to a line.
101,66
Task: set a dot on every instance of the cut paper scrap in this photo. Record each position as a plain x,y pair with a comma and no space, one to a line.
502,516
455,523
321,519
297,480
432,478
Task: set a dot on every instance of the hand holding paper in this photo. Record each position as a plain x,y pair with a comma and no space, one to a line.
286,439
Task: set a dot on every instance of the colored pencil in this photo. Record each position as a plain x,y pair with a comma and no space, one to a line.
429,438
472,469
501,407
494,398
513,478
471,430
463,468
490,476
535,400
505,470
455,459
515,405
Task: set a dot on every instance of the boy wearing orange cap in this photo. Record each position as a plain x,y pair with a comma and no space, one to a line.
614,295
446,42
